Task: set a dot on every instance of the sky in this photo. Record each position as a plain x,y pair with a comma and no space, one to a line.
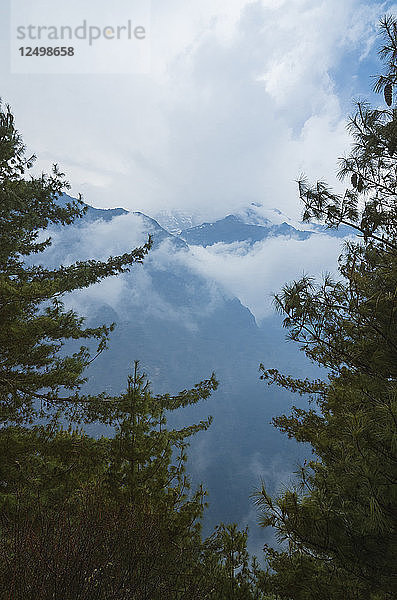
241,98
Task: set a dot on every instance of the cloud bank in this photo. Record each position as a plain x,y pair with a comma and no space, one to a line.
252,273
243,96
255,274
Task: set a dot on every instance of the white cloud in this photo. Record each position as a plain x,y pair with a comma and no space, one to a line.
252,273
137,290
239,101
255,274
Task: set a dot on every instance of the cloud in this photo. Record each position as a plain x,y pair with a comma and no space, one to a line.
240,100
252,273
255,274
97,240
144,290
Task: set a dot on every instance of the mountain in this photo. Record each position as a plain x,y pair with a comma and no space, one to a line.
233,229
93,214
151,226
182,326
174,221
158,233
257,214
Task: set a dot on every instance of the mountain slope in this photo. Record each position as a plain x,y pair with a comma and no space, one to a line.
182,326
232,229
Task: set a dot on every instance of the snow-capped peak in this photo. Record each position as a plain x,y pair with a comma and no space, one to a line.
174,221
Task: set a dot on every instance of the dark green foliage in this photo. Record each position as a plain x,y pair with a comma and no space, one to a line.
340,519
34,325
113,517
105,518
238,577
84,518
102,553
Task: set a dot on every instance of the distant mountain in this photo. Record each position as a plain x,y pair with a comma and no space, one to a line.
182,326
251,224
174,221
233,229
261,223
257,214
159,234
94,214
106,214
151,226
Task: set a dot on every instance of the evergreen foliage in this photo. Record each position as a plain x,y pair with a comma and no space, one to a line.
34,324
87,518
340,519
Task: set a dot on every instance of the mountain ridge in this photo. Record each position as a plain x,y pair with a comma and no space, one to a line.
231,228
183,325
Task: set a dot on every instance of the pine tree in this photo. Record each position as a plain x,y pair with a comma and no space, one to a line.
83,517
34,374
340,518
114,517
110,516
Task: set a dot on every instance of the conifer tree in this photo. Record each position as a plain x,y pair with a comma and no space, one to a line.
114,517
340,518
83,517
111,517
34,374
